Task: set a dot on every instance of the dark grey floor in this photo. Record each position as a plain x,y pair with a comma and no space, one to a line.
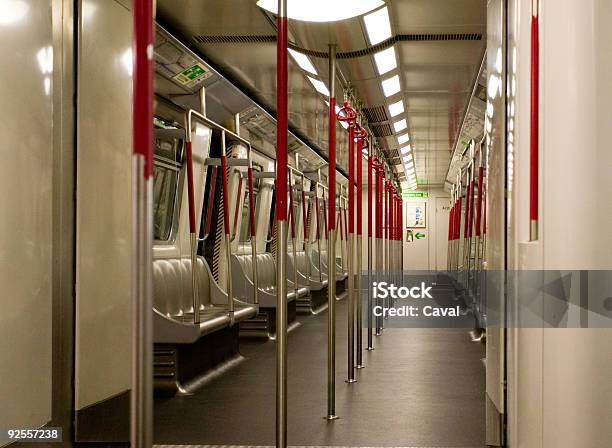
420,388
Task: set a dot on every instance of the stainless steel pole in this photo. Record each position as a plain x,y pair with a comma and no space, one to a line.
228,241
331,265
369,286
141,395
358,166
281,216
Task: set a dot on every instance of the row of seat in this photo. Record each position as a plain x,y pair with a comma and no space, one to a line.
172,292
183,350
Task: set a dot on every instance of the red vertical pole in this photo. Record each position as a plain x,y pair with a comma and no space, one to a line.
479,201
359,168
281,217
378,210
471,218
450,223
369,196
534,140
458,223
252,202
318,212
226,226
325,223
351,182
304,217
467,211
141,395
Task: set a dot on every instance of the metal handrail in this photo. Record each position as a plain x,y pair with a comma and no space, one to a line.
194,271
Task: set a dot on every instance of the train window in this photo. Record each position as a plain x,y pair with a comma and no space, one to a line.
165,182
166,172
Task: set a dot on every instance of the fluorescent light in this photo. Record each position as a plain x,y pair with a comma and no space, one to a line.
400,125
396,108
391,86
303,61
385,60
323,10
403,139
405,149
378,26
319,85
12,11
406,159
45,59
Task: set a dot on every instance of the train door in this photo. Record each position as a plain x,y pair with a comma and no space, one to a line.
36,227
442,206
495,129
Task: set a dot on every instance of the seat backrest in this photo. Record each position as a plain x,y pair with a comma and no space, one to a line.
266,269
172,292
301,261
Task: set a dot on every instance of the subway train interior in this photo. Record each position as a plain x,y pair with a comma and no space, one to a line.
343,223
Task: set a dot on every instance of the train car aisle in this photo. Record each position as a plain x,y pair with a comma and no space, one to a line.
420,387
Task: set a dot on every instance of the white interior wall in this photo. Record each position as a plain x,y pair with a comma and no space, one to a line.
25,227
103,230
428,253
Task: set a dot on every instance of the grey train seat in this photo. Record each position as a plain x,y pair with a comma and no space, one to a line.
264,323
178,354
341,275
313,302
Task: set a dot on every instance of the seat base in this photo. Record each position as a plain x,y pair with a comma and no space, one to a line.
341,286
264,324
180,368
314,303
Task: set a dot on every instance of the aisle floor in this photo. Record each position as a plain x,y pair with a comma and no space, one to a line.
420,388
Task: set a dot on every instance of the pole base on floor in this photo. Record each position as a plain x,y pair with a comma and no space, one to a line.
360,366
370,349
350,381
331,417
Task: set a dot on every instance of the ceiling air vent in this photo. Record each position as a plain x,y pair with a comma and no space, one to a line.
382,129
233,39
392,154
376,114
438,37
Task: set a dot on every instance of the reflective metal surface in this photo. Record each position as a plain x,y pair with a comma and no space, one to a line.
436,76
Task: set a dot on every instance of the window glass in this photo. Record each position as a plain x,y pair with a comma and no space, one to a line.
166,170
164,195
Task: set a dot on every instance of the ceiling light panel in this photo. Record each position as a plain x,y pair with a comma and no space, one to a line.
403,139
378,26
405,149
400,125
391,86
396,108
323,10
320,86
303,61
385,60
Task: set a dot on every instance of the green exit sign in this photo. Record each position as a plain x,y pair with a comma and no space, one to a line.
415,194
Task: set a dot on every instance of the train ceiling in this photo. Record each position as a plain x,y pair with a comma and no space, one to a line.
438,46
